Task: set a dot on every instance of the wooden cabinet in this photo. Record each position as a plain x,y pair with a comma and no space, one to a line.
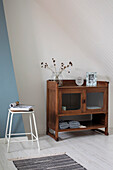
88,105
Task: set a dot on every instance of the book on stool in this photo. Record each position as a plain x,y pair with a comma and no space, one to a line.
16,107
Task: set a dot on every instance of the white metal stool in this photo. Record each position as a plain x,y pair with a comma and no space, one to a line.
8,135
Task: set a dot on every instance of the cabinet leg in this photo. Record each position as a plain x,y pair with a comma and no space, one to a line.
56,136
47,128
106,123
106,131
47,131
56,139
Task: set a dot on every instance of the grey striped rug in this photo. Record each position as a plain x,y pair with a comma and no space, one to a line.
57,162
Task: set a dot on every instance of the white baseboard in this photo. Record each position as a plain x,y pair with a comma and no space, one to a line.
110,130
2,139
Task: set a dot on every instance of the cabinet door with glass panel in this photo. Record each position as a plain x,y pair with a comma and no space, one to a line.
96,99
70,101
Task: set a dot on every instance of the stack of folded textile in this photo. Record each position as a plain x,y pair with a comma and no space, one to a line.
63,125
74,124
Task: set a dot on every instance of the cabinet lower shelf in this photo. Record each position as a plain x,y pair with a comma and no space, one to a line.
74,114
88,124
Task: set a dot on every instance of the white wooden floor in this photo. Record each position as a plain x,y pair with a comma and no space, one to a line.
92,150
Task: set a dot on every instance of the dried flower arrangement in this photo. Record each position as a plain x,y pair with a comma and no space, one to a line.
54,70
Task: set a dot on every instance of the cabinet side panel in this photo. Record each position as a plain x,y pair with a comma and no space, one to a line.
52,102
107,96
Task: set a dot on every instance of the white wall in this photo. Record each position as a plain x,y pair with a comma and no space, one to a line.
39,30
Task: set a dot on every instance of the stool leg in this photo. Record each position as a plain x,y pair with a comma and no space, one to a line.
36,131
31,127
7,127
10,132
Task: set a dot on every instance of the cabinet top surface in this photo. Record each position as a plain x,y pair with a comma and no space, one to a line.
72,84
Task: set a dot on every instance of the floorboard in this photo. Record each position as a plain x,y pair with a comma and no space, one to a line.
91,149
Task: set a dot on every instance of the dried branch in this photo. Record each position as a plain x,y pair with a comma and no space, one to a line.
61,69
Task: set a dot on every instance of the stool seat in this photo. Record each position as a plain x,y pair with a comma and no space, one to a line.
11,113
20,111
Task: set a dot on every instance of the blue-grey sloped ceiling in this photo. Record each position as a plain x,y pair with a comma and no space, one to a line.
8,89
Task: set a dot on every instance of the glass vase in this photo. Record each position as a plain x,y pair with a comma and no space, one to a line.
58,78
